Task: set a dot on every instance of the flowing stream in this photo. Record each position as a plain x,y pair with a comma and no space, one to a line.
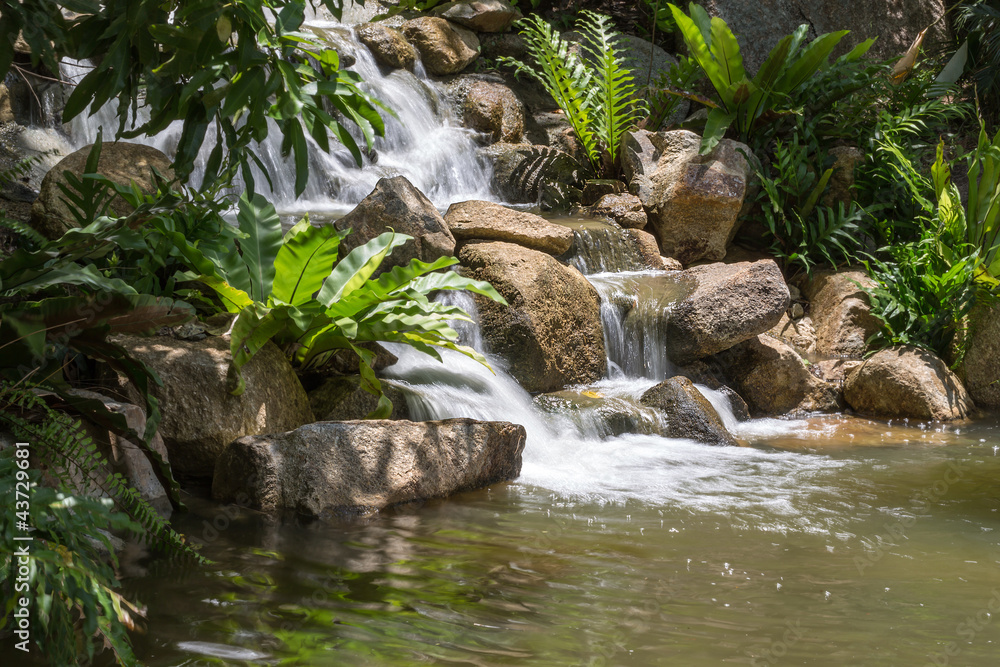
824,541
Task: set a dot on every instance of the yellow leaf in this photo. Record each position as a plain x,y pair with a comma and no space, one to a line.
904,65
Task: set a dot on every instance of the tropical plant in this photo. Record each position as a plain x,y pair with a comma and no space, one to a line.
222,68
744,102
296,290
979,55
591,86
669,91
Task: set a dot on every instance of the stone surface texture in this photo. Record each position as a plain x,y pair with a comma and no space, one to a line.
486,221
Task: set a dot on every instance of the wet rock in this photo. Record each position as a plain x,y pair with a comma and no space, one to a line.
689,413
342,399
329,468
479,15
445,48
841,312
122,162
6,112
480,220
550,128
980,369
388,45
550,332
494,109
669,263
774,380
624,209
907,381
200,416
730,303
595,188
395,203
601,415
526,174
645,246
693,201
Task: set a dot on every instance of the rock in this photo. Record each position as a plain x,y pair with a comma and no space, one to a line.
526,174
689,414
693,201
758,27
799,333
200,416
774,380
845,159
494,46
980,369
346,362
730,303
6,112
444,47
646,246
550,128
595,188
480,220
494,109
395,203
638,54
602,415
341,398
388,45
738,406
330,468
121,162
841,312
551,330
907,382
835,371
479,15
669,263
124,456
625,209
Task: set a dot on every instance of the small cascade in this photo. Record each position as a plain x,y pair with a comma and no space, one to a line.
600,247
423,142
635,307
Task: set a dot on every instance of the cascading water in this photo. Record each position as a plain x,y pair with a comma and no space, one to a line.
423,142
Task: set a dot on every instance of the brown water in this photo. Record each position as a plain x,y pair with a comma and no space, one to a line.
844,543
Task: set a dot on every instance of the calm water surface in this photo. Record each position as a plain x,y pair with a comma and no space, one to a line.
840,542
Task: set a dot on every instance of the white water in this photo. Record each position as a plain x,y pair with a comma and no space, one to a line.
423,142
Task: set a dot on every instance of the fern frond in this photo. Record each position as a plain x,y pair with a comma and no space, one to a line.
26,232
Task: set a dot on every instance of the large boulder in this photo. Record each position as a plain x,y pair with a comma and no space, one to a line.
329,468
980,367
693,201
479,15
759,26
550,331
729,303
907,381
122,162
445,48
688,413
645,247
527,174
625,209
486,221
493,109
840,311
342,398
395,203
388,45
200,416
774,380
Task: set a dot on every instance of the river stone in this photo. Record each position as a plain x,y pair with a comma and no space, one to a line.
527,174
445,48
200,416
341,398
980,369
479,15
759,26
493,109
799,333
730,303
625,209
773,380
550,332
122,162
693,201
329,468
841,312
595,188
396,204
388,45
689,414
906,381
645,245
486,221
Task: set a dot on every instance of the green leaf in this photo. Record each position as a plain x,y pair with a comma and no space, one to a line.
260,223
358,266
726,51
715,128
304,260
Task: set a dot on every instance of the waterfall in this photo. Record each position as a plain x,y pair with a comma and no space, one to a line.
600,247
423,142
